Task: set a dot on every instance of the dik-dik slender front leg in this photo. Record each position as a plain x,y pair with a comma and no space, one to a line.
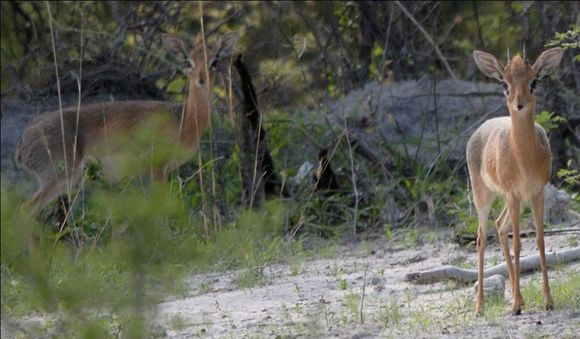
513,205
501,224
483,214
538,210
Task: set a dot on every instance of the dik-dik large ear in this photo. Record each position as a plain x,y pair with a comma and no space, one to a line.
488,65
175,45
225,46
547,62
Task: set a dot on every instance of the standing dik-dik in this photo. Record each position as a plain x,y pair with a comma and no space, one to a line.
510,157
55,147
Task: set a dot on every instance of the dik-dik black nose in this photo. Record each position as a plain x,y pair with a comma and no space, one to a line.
520,106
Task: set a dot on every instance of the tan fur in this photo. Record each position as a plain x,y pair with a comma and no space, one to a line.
510,157
102,127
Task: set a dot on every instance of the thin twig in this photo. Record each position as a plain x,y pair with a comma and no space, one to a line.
255,184
353,178
436,111
421,136
200,159
386,45
362,297
234,15
428,37
453,143
479,33
68,185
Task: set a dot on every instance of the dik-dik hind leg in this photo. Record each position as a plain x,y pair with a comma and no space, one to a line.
483,199
44,195
52,177
47,192
53,183
538,210
161,174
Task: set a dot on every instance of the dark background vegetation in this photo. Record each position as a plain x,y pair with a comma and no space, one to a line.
302,51
301,56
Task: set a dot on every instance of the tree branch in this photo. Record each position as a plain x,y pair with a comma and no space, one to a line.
428,37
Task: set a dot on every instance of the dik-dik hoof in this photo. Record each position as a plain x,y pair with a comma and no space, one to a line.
479,310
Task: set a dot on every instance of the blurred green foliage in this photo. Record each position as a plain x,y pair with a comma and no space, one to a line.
569,39
138,242
155,244
549,120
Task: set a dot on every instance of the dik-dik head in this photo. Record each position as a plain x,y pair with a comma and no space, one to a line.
201,60
519,78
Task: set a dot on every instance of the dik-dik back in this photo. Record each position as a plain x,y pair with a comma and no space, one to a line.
92,131
55,147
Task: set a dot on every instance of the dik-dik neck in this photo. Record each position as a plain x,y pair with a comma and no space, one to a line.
197,111
523,138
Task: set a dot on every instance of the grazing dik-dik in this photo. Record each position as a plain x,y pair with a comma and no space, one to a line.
510,157
55,147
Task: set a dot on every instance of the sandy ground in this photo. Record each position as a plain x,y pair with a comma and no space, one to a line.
318,298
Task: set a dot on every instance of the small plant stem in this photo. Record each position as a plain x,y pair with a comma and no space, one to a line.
353,178
200,160
362,297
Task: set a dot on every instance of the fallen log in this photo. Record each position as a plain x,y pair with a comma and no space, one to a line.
450,272
466,238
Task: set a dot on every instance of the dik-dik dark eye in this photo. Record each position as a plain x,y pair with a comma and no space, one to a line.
505,87
188,64
533,85
213,65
